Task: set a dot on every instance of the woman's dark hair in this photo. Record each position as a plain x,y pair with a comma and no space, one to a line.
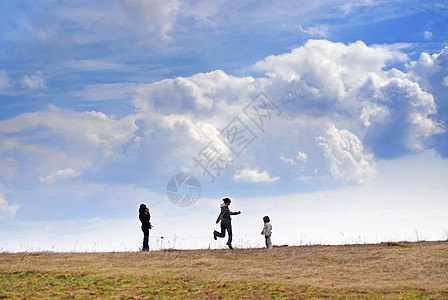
226,200
266,219
142,208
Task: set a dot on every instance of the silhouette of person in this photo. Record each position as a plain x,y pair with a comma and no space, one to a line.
145,218
226,222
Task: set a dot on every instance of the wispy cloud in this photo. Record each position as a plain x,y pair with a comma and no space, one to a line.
34,81
289,161
7,210
319,30
301,156
97,65
154,17
106,91
59,174
445,81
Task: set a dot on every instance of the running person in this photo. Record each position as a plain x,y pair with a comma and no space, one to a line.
226,222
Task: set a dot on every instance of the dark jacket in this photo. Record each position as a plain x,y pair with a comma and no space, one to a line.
225,214
144,218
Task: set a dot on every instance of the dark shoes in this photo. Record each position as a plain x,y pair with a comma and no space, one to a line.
215,236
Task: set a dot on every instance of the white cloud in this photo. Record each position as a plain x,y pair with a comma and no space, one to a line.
156,17
430,72
427,34
413,117
333,70
253,176
289,161
372,113
59,174
128,21
425,67
93,128
7,210
202,91
308,178
336,81
320,30
349,162
445,81
301,156
320,82
63,144
192,110
348,6
34,81
192,89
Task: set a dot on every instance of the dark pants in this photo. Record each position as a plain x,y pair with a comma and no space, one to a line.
226,225
145,239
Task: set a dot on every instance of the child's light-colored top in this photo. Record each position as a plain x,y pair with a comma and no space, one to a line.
267,229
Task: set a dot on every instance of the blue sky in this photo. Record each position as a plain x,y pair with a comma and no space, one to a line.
103,102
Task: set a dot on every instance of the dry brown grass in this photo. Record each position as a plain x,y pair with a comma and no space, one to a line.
388,270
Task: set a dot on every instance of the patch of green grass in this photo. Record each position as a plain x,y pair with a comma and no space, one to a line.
26,284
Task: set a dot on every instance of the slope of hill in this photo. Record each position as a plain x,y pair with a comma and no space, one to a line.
387,270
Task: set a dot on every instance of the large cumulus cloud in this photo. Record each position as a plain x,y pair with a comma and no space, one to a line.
351,84
383,111
349,161
342,108
430,71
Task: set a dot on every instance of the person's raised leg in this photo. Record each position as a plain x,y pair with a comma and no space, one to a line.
223,231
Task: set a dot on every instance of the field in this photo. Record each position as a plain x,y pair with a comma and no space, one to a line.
379,271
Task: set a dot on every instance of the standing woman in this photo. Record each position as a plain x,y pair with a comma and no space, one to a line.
145,218
226,222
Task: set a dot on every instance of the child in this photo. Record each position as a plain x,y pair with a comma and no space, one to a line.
267,232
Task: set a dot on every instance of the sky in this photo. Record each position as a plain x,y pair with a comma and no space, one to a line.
328,116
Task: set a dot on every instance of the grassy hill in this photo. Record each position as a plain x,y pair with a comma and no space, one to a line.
387,270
